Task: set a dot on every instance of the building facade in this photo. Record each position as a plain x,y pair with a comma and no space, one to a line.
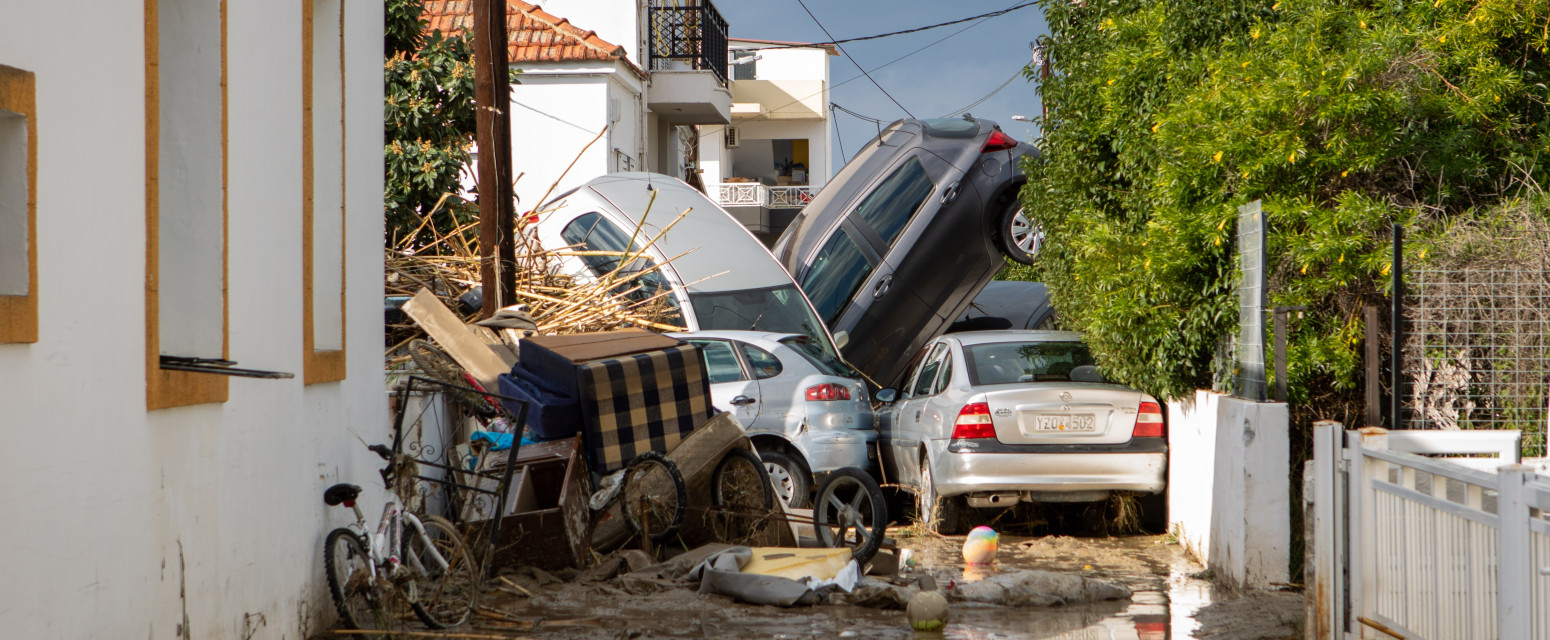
205,187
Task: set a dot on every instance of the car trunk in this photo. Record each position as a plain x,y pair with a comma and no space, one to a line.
1037,414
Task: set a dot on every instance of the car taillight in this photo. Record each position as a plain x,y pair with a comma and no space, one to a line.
974,422
1149,421
998,141
828,391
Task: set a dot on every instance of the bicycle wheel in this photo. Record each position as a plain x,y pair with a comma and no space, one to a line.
740,488
654,496
348,566
437,365
441,597
850,512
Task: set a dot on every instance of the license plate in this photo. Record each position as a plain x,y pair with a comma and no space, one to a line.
1075,423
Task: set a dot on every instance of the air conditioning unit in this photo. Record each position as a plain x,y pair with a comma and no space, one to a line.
733,139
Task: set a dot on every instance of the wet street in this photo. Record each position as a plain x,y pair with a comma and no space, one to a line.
1170,601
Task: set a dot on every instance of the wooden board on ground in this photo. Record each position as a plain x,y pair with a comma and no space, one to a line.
459,340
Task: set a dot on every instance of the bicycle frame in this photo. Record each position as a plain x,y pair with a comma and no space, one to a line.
386,544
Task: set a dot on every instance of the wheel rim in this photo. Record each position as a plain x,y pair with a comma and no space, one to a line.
846,509
1025,236
781,478
353,575
447,596
927,495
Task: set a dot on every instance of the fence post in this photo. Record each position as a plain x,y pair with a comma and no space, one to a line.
1327,586
1363,520
1514,575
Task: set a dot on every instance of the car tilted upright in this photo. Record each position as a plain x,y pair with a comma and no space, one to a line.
895,247
991,419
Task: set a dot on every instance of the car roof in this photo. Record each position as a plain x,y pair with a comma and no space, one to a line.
710,250
970,338
729,334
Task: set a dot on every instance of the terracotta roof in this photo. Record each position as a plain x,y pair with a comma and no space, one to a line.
534,35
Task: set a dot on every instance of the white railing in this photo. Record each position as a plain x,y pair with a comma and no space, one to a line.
737,194
1415,547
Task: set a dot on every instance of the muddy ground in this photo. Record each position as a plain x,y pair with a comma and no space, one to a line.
1170,601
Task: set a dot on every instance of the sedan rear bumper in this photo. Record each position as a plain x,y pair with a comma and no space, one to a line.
961,473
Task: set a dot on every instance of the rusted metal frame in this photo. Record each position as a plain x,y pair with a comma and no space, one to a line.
1373,397
1397,331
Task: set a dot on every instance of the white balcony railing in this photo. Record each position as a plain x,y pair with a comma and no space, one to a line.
753,194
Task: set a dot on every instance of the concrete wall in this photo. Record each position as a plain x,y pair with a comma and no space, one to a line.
1228,486
556,110
203,521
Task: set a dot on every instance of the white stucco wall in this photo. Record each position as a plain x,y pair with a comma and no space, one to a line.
1228,486
556,110
128,523
615,21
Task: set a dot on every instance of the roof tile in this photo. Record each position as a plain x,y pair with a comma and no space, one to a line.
533,35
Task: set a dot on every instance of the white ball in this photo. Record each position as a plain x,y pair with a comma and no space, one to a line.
927,611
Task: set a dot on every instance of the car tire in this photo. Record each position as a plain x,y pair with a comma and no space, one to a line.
1019,237
792,481
938,514
1154,512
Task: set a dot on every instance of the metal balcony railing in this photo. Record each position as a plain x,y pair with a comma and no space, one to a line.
732,194
695,36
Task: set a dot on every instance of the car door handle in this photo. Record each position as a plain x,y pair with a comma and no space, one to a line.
882,287
950,194
743,400
917,415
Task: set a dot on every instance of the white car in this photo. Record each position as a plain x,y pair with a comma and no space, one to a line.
805,410
988,419
718,274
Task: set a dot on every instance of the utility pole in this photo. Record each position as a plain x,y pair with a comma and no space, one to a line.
492,99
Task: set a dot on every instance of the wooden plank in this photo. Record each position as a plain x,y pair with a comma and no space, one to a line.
456,338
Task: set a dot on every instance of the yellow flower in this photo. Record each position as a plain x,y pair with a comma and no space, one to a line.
1155,126
1305,269
1217,157
1423,254
1148,264
1362,24
1255,33
1292,159
1245,64
1342,258
1385,270
1245,174
1221,225
1111,82
1497,97
1218,240
1345,173
1442,38
1275,6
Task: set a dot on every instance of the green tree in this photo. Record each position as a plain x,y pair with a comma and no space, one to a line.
1342,117
429,116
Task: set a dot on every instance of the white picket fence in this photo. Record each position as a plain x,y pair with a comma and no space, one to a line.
1409,546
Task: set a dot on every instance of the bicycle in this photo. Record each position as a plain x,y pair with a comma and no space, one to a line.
407,560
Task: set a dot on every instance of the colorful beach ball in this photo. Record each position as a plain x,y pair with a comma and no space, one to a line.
980,546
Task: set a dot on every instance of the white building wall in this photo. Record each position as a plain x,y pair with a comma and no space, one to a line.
1228,486
619,22
205,521
556,110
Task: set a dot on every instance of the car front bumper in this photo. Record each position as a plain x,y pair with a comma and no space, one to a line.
962,473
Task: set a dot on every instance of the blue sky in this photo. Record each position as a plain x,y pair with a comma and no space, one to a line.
939,80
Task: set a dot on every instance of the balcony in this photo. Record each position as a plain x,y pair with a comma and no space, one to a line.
762,209
689,65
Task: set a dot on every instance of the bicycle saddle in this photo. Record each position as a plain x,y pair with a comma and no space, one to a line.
342,492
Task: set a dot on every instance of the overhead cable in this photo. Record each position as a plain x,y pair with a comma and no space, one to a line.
853,60
897,33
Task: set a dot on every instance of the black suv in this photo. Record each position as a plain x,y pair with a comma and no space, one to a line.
897,245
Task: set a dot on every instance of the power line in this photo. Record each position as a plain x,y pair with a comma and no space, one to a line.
988,96
853,60
897,33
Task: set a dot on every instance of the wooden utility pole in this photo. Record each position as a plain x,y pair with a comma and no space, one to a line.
492,100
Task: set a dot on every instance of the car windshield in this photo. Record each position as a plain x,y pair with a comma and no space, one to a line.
778,309
593,233
826,362
838,271
1011,362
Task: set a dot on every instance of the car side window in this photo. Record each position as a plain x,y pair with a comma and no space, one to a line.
928,372
837,272
763,363
889,207
721,362
946,373
593,232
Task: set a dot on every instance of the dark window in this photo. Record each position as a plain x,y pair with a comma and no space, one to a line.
593,232
889,207
826,362
763,363
927,375
779,309
1011,362
720,361
837,272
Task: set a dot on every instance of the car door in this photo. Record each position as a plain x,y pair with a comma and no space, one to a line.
888,315
731,387
909,430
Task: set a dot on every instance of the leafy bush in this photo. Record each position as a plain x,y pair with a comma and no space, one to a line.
1341,117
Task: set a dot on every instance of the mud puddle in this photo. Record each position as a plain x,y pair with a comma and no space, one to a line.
1168,603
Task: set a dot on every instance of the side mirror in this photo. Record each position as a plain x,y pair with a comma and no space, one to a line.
841,338
887,396
1087,373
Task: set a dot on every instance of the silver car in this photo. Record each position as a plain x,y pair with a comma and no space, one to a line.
993,418
805,412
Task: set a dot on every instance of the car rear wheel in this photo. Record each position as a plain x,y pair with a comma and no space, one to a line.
1020,237
793,484
938,514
